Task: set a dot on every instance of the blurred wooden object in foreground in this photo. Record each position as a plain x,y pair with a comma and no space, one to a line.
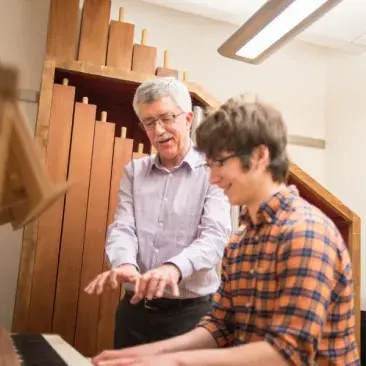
8,355
26,190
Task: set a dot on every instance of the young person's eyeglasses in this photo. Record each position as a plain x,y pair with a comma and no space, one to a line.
219,163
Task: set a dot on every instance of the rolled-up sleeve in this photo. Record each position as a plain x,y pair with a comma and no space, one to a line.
122,243
305,272
214,230
219,322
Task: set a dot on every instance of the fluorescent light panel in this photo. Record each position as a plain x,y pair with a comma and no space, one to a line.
293,15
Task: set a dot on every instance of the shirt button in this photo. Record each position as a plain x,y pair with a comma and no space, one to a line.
165,199
160,224
170,175
252,271
247,305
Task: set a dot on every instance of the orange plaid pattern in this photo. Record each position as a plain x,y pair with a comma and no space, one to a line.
287,280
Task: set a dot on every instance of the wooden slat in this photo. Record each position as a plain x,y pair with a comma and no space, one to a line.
137,155
92,265
140,152
94,31
165,70
49,226
144,57
120,43
23,294
5,136
71,250
62,36
110,299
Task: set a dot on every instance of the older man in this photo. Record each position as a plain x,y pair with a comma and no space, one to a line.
170,228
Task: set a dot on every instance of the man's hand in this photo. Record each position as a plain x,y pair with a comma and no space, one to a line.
123,273
153,283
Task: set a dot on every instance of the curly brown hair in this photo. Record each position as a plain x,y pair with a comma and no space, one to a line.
239,126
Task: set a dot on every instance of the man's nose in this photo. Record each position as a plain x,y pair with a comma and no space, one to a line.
159,128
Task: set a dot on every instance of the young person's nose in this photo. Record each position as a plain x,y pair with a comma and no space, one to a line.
214,176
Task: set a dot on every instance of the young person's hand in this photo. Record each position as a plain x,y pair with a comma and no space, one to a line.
169,359
126,355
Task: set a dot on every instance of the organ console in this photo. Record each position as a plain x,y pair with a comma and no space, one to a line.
23,349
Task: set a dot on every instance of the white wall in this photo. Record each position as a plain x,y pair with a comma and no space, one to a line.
23,29
294,80
345,142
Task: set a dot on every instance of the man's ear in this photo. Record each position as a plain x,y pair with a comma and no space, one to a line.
189,120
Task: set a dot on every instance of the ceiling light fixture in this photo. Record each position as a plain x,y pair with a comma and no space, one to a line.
273,25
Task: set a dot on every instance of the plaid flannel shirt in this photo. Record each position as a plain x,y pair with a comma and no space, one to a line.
287,280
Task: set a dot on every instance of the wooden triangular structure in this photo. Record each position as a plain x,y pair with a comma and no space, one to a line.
26,190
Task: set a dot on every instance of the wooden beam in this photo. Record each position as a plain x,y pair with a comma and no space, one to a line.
319,191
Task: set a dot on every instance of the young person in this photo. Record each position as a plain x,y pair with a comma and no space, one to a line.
286,294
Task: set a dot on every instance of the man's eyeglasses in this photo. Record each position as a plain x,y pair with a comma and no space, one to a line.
219,163
165,119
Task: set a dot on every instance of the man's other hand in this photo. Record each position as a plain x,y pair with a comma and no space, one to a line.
112,278
154,282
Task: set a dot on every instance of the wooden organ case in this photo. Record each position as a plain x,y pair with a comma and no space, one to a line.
87,132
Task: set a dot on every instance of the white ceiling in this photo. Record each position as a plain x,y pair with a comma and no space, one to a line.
343,28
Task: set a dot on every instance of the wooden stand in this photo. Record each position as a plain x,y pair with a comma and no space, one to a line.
25,189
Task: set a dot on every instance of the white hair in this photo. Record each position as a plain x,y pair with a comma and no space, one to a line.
155,89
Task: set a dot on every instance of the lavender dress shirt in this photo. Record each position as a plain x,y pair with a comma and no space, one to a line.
172,216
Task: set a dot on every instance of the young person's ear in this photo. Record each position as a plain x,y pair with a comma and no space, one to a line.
261,156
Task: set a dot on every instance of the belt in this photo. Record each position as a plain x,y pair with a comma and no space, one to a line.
168,304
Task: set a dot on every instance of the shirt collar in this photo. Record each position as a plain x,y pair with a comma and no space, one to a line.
193,159
268,210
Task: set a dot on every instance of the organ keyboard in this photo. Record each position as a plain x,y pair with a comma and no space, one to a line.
24,349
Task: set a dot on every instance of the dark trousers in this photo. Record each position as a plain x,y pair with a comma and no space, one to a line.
156,320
